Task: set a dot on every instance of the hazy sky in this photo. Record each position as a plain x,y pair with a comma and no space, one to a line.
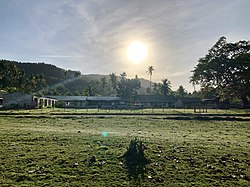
92,35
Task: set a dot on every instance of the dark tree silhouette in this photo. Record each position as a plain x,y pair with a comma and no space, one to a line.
165,87
181,91
150,73
226,70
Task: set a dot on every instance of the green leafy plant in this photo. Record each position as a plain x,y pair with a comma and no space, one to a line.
135,152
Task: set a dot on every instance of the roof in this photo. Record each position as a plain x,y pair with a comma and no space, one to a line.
156,98
67,98
44,97
84,98
16,94
16,98
190,100
107,98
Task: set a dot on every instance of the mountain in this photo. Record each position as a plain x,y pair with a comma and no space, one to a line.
53,74
144,83
68,81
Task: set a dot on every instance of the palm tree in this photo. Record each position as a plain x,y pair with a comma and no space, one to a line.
113,80
157,88
165,86
123,76
150,72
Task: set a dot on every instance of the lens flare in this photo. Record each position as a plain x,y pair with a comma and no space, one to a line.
104,134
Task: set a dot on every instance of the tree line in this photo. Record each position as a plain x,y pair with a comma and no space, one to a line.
46,79
14,79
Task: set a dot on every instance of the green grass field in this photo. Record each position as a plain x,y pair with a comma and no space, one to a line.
41,148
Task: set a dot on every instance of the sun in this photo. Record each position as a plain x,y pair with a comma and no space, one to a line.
137,52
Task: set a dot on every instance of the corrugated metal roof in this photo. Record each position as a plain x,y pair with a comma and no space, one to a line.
16,94
190,100
67,98
84,98
96,98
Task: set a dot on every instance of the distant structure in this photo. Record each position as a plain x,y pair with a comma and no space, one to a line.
22,100
155,101
188,102
89,102
18,100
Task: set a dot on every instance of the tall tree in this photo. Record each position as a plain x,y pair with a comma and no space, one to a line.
12,78
226,70
113,80
181,91
165,86
127,88
103,81
150,73
157,88
123,75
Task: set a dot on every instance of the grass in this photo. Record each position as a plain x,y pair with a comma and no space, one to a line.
52,150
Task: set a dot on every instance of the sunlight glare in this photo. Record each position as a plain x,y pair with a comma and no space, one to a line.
137,52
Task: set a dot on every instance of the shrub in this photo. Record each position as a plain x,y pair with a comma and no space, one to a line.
135,152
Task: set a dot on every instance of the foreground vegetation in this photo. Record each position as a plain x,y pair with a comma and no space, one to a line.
58,150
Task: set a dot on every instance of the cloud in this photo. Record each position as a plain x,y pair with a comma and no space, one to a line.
92,35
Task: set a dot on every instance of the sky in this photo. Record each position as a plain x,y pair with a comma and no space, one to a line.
92,36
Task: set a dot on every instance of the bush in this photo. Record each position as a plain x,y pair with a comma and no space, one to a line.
135,152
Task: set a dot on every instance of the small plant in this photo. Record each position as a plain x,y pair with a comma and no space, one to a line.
135,160
135,152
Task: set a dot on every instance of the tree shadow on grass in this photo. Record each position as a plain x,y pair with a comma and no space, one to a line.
135,160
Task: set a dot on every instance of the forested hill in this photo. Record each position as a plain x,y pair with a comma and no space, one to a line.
52,73
59,81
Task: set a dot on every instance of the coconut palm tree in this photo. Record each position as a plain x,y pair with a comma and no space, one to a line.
157,88
123,76
150,72
165,86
